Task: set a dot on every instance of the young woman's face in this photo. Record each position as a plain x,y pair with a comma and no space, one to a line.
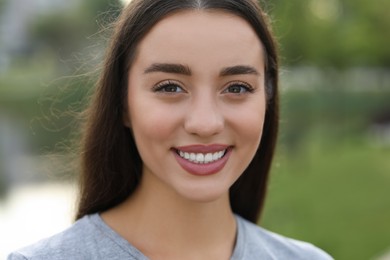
196,103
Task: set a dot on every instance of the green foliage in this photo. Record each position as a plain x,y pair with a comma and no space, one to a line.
68,32
335,196
57,32
331,186
336,33
2,3
95,8
49,108
329,33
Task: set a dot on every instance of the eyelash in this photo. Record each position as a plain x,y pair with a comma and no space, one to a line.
248,88
162,87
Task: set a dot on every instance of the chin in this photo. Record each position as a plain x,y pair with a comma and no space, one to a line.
204,195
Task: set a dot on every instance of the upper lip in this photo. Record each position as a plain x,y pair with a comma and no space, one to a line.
201,148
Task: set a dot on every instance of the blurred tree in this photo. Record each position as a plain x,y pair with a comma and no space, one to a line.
338,33
332,33
71,41
67,32
2,2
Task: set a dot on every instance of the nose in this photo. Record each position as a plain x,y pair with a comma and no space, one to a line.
204,117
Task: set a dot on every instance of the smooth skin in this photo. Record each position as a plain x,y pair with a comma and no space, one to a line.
197,79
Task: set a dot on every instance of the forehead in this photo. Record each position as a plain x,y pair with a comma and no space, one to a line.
198,35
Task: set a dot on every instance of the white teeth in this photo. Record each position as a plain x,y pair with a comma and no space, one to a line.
202,158
208,158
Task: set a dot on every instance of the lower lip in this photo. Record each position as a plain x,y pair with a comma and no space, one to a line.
205,168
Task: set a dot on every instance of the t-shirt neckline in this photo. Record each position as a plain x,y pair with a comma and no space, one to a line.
96,219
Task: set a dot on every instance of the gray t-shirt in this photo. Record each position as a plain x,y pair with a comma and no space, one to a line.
91,238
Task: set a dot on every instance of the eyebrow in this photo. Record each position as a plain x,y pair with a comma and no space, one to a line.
169,68
238,70
185,70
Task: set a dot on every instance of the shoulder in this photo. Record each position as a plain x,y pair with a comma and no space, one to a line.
269,245
80,241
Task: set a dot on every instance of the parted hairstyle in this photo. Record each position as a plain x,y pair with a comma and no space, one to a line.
111,167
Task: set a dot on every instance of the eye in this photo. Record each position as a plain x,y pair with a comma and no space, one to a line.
238,88
168,87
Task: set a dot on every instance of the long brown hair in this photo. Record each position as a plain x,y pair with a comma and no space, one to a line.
111,167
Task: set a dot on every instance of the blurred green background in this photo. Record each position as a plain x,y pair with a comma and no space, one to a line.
331,175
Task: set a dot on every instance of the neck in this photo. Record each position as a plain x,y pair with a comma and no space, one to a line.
164,225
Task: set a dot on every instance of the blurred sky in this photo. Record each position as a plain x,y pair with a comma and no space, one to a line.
33,212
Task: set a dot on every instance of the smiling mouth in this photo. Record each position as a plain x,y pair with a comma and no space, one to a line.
201,158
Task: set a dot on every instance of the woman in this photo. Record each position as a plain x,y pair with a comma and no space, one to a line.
179,140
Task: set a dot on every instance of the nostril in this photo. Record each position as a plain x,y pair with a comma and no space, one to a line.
204,117
204,126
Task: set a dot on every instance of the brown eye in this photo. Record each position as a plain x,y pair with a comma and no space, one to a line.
238,88
168,87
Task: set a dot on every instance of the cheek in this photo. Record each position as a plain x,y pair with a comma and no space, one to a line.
152,121
247,123
248,133
251,129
